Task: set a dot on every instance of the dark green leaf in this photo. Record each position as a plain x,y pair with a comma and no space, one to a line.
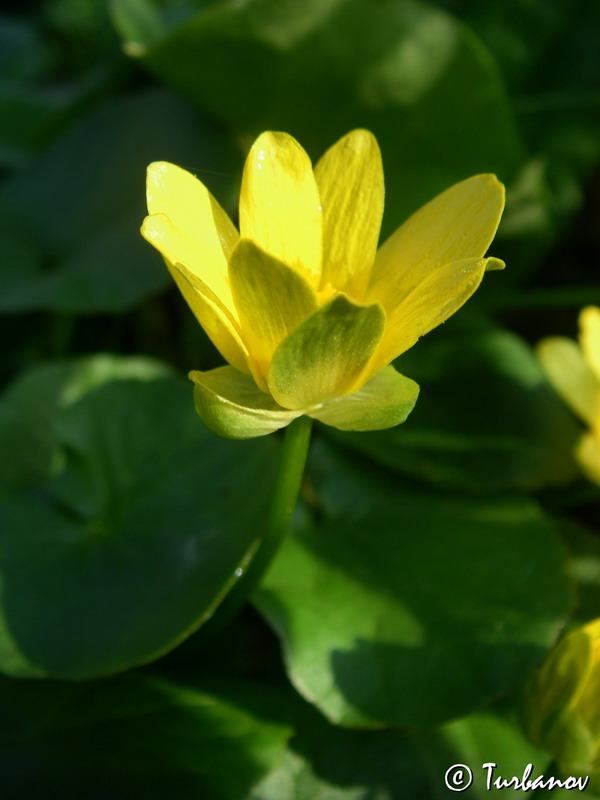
406,71
137,530
486,418
136,737
329,763
30,408
82,201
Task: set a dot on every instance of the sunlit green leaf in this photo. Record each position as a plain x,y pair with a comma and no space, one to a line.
486,738
408,607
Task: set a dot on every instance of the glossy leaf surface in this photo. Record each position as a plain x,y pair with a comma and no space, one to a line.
408,607
133,534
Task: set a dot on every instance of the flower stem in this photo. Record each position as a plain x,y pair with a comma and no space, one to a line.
287,486
285,496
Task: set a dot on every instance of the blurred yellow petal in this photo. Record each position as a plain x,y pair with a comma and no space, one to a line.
588,455
213,316
271,299
280,206
350,181
429,304
589,336
571,376
457,224
177,247
563,702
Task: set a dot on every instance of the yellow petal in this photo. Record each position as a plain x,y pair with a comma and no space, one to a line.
429,304
571,376
458,224
272,301
199,219
350,181
588,455
220,327
589,336
279,204
177,247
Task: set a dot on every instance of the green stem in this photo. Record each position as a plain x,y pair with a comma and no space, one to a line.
287,486
285,496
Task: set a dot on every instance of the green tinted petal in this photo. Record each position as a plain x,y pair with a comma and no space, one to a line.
231,404
386,400
271,300
325,357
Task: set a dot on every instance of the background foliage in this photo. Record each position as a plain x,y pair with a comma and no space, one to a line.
430,567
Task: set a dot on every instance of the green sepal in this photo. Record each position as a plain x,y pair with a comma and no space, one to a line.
232,405
386,400
324,357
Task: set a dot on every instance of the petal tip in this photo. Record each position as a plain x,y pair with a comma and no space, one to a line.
275,139
361,136
156,170
153,227
492,183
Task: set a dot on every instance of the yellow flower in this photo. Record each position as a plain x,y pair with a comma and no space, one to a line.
563,714
300,302
574,371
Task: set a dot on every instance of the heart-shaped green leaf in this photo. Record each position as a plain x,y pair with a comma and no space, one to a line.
408,607
135,532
